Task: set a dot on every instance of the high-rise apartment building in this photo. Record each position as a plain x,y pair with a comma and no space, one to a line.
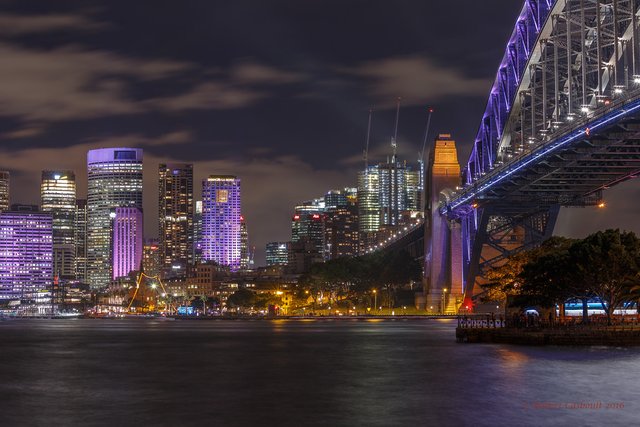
127,241
277,253
4,191
114,180
175,213
80,240
221,220
26,254
58,197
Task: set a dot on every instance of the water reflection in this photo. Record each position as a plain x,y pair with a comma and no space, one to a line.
300,373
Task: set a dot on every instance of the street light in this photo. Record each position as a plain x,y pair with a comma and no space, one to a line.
375,298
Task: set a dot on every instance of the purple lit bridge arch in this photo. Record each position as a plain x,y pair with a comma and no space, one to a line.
562,123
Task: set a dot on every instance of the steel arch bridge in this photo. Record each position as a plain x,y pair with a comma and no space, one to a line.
562,124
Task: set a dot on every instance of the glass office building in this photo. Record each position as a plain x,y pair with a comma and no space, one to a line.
26,254
175,214
114,180
58,196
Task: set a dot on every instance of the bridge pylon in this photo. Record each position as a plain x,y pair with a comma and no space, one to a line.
443,282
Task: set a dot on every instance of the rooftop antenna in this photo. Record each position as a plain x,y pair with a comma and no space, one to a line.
366,151
394,143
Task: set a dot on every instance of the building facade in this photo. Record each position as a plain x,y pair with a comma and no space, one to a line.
175,214
221,211
114,180
4,191
26,254
244,244
127,241
277,253
80,240
152,258
58,197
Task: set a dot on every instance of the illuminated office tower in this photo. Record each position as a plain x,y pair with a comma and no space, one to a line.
392,187
197,232
244,244
175,213
26,253
369,212
80,239
127,241
58,197
4,191
114,180
277,253
221,220
151,258
309,227
341,231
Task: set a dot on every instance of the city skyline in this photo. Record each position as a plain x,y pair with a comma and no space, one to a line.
290,122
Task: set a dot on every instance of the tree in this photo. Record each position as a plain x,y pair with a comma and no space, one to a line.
242,298
608,264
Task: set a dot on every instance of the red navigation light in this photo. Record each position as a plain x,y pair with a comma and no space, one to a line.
316,216
431,110
296,217
241,218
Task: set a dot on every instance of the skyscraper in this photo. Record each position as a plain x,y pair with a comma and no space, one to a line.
369,211
114,180
175,210
197,232
309,227
244,244
392,188
26,253
80,239
341,231
127,241
58,196
4,191
221,220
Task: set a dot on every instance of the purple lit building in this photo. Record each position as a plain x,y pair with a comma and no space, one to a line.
221,241
127,241
26,254
114,179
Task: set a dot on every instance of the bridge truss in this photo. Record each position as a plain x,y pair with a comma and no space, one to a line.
562,124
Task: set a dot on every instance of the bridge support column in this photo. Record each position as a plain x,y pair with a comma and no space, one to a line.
443,274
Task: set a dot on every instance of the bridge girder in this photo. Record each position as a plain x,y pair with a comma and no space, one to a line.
561,125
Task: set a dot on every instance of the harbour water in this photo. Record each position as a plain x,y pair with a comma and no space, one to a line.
301,373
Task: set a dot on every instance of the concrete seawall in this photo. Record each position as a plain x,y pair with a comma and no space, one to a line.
614,336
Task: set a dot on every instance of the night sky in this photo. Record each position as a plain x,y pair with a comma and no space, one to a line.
274,91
